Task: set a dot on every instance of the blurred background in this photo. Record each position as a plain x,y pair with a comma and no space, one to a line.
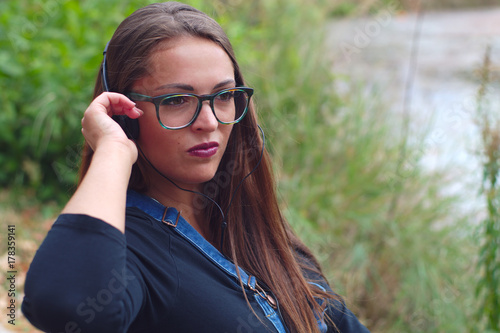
382,117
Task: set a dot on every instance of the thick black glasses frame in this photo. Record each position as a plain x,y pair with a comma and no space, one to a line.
157,100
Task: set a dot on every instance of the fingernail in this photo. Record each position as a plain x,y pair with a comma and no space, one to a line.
139,111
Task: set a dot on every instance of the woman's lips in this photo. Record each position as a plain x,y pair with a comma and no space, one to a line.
208,149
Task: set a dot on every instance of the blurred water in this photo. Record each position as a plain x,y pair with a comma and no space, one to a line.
451,47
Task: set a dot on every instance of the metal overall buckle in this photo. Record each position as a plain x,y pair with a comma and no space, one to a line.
261,292
168,222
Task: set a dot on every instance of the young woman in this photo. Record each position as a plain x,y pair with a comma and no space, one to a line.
175,225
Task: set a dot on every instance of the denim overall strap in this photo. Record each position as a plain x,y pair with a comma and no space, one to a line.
170,216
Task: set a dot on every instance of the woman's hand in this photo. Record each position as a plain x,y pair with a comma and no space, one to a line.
102,192
99,129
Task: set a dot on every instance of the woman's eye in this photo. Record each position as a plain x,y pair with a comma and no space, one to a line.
174,101
226,96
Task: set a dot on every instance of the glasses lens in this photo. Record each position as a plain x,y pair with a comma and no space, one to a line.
230,105
177,110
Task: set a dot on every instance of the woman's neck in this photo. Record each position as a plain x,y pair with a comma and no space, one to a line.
185,202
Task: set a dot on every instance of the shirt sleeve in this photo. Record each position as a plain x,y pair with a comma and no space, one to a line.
80,280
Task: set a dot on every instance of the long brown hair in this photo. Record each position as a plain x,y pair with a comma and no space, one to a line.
258,238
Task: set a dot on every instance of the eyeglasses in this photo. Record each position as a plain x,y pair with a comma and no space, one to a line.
176,111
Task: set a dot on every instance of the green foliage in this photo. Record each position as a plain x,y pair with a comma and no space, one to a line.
50,51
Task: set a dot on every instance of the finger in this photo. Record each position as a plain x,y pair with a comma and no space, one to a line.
113,103
120,104
134,113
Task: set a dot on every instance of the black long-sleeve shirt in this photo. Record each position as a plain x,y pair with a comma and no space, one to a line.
157,277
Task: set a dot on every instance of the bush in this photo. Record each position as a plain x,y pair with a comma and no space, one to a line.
50,51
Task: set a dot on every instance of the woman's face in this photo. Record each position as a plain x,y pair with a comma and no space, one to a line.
189,156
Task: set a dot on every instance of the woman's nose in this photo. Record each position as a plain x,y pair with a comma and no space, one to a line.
206,120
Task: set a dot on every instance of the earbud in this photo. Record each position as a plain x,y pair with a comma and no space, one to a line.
130,126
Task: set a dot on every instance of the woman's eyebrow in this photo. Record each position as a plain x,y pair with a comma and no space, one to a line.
188,87
181,86
224,83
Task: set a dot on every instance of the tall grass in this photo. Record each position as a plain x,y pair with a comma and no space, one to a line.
488,287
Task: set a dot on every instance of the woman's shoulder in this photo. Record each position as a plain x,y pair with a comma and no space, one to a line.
144,234
140,224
